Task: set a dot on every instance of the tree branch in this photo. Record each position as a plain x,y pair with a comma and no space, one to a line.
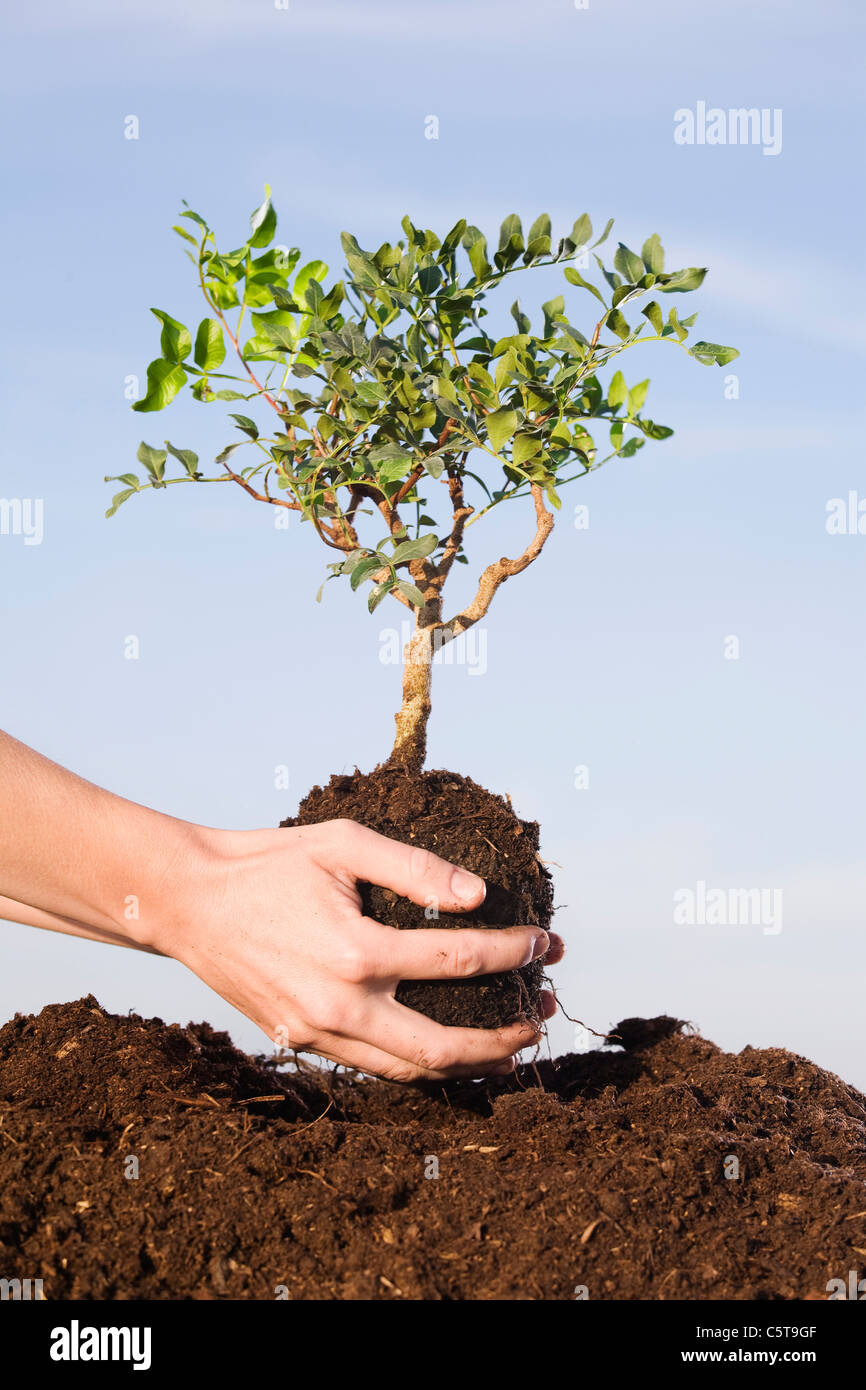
496,574
261,496
461,511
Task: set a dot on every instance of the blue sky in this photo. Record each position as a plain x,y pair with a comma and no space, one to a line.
609,653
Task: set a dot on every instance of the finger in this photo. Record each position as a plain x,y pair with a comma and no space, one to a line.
556,950
548,1004
440,953
376,1062
417,1039
412,872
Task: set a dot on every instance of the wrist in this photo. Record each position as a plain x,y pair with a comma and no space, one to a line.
160,894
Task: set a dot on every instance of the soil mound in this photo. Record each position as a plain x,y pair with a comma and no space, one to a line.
669,1170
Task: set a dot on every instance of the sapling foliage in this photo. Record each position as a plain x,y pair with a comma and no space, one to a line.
382,410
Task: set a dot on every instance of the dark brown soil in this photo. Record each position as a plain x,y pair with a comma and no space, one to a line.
604,1172
471,827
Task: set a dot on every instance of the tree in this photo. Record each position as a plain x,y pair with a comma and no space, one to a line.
386,387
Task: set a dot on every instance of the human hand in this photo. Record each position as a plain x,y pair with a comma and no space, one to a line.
272,920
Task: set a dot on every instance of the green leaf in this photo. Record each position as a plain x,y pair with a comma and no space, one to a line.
637,396
119,498
628,264
174,340
617,392
683,280
378,593
222,292
511,227
553,496
186,457
575,278
552,310
445,387
675,324
414,550
538,239
390,453
164,380
225,454
524,448
501,425
654,431
246,424
506,369
312,271
710,353
429,279
284,300
482,379
362,266
623,292
581,231
475,245
411,592
521,319
617,324
368,565
194,217
370,392
605,234
631,447
263,222
277,329
393,470
210,348
153,460
452,240
653,255
654,314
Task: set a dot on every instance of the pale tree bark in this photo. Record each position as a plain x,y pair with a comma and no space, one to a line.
410,744
431,633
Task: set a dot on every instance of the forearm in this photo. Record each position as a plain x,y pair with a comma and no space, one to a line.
80,859
28,916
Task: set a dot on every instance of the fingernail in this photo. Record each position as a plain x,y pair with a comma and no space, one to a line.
466,887
539,945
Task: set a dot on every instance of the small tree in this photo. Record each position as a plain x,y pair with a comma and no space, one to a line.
386,387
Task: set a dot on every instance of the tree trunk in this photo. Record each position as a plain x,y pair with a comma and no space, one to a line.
410,744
